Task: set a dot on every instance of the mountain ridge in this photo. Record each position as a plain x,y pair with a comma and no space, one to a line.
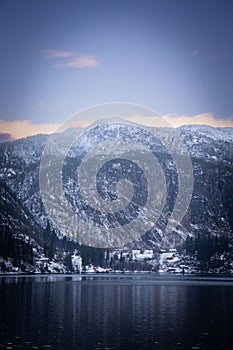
211,206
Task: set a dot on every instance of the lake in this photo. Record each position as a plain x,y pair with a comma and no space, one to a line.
128,311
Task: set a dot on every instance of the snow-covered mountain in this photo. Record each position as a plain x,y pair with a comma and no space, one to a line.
211,153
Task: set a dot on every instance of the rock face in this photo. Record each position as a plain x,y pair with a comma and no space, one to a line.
210,209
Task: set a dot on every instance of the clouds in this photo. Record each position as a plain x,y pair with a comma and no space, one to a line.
75,61
21,128
204,118
56,53
176,121
79,62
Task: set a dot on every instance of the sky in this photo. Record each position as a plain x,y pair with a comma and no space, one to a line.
57,57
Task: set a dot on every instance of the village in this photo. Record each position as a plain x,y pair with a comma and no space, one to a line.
121,260
126,261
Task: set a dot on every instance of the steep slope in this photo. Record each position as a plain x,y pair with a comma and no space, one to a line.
210,209
19,232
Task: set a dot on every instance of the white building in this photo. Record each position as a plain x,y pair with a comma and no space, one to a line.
147,254
76,262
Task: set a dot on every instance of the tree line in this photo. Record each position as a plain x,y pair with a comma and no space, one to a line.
204,246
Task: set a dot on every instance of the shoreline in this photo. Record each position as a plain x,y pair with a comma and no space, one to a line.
122,274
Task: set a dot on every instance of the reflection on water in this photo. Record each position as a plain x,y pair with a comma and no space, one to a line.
123,312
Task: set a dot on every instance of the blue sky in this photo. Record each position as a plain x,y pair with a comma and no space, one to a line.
58,57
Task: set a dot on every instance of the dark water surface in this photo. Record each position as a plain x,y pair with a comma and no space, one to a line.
116,312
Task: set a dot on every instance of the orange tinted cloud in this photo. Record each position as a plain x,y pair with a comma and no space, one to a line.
79,62
176,121
205,119
22,128
76,61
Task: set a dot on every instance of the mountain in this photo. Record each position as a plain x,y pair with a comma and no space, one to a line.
211,205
